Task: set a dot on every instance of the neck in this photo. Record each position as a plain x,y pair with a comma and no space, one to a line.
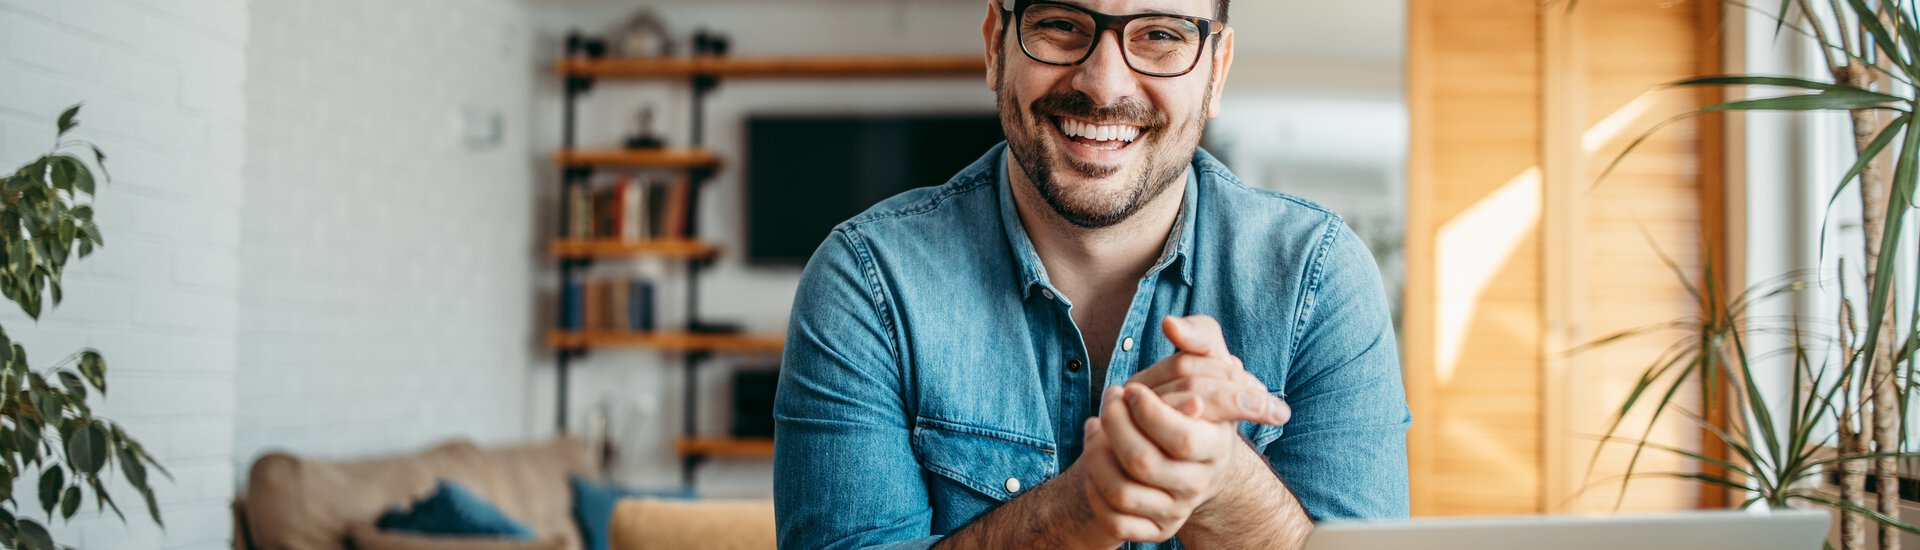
1094,257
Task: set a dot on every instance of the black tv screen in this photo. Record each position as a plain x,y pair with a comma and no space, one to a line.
806,174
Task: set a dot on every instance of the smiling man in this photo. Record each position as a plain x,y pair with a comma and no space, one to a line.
1095,335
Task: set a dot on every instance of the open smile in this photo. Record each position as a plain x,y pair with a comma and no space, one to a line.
1097,137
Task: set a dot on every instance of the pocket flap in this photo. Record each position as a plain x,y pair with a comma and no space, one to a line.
995,463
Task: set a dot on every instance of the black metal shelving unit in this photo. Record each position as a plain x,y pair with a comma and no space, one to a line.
702,75
697,176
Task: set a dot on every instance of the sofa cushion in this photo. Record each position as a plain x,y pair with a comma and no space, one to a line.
307,504
368,537
593,504
654,524
453,510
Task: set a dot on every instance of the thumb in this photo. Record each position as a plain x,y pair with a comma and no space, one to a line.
1195,334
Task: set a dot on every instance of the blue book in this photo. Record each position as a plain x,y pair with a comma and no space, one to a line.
571,308
640,304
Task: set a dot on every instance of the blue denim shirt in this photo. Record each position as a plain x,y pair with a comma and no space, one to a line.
926,375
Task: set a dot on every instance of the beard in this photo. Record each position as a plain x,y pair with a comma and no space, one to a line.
1168,149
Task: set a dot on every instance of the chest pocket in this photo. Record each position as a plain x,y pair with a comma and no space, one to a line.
974,469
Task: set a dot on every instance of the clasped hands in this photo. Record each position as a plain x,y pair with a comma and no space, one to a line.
1164,445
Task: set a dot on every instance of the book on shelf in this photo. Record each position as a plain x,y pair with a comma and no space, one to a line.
629,208
608,304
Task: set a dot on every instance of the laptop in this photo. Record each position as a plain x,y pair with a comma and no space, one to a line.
1778,529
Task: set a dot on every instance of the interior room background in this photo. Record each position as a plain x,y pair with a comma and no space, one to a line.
317,245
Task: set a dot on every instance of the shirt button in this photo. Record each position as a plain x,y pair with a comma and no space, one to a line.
1127,344
1013,485
1047,293
1073,365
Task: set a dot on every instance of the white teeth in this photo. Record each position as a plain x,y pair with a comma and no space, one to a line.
1075,128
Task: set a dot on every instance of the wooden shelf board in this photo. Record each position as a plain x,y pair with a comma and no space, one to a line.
644,158
599,248
723,446
810,66
667,340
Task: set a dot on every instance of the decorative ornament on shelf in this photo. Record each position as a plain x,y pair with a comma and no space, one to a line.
644,35
46,424
709,42
645,138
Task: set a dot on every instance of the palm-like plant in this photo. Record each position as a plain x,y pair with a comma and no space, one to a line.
1872,52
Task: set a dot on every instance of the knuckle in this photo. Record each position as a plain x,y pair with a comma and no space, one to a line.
1137,462
1184,445
1181,366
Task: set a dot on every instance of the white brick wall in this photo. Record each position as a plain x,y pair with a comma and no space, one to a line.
160,300
385,271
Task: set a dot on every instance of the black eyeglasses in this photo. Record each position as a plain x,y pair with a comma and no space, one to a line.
1154,44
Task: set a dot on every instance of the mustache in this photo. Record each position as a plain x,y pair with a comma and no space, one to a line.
1077,104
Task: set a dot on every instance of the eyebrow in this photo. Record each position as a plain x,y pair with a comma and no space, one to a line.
1149,11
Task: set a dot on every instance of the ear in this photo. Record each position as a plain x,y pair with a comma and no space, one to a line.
1222,61
989,32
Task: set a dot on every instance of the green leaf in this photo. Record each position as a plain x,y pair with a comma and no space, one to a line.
131,466
106,500
1762,80
87,449
47,403
62,173
26,435
153,508
99,159
50,483
1869,19
32,536
94,367
1832,100
70,502
72,383
1860,164
67,121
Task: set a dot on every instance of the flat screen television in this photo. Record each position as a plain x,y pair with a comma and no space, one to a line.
807,173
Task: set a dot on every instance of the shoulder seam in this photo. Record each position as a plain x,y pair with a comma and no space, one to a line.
1220,172
876,290
927,205
1311,296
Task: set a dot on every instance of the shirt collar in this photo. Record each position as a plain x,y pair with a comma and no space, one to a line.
1027,260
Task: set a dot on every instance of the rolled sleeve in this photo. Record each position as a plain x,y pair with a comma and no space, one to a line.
1344,453
845,475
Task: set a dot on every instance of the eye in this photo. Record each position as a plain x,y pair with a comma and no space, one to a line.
1063,25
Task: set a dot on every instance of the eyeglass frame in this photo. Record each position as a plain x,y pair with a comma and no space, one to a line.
1103,23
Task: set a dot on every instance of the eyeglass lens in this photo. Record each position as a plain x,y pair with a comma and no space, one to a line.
1155,45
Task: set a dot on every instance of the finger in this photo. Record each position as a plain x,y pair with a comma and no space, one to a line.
1137,456
1186,365
1129,497
1215,400
1196,334
1184,480
1116,524
1178,436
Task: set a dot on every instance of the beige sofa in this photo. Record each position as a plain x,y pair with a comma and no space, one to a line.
293,503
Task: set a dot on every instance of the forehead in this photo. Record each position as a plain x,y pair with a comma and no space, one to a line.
1197,8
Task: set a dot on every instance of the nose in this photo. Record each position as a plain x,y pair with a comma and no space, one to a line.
1104,76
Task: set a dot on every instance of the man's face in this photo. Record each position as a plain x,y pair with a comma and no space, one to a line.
1097,139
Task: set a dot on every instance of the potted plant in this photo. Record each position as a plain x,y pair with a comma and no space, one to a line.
1872,53
47,428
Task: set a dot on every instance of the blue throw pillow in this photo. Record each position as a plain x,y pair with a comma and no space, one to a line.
593,504
453,510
